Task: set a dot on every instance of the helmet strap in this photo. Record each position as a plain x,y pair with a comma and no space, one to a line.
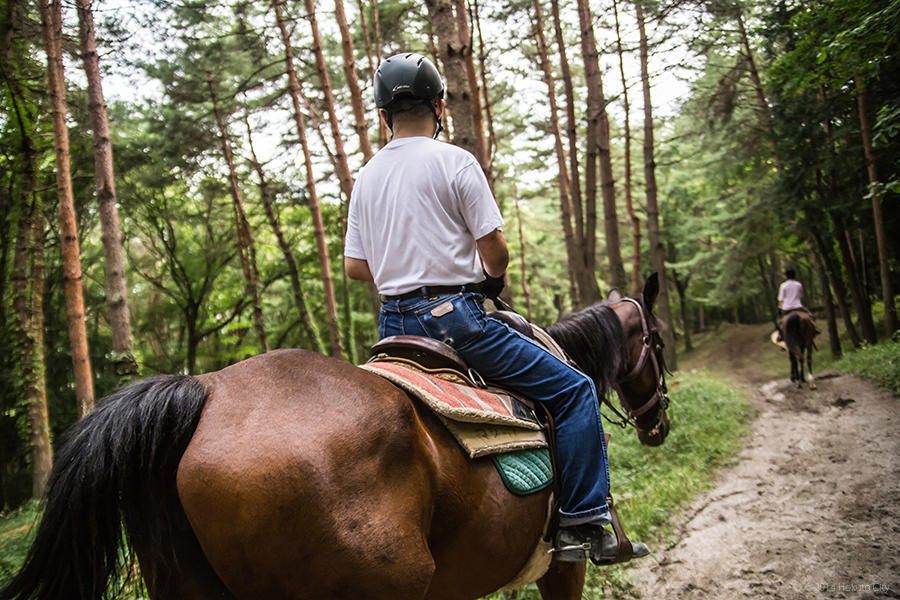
440,126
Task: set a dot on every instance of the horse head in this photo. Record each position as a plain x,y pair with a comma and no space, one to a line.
641,381
618,345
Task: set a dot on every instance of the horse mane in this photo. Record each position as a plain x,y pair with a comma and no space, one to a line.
593,338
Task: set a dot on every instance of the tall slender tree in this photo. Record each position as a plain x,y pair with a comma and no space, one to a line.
865,131
114,256
598,151
657,250
356,99
27,276
574,257
629,200
246,247
265,193
295,89
51,25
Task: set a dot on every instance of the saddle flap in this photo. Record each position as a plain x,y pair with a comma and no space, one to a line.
428,352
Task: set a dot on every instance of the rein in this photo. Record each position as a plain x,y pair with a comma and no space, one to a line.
649,337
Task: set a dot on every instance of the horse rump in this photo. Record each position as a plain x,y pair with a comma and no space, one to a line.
116,466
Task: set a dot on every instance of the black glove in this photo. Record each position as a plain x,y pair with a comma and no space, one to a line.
492,286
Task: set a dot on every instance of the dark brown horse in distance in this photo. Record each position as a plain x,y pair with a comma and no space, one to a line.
292,475
799,337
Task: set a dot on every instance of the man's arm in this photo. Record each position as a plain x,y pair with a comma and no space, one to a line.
494,253
357,268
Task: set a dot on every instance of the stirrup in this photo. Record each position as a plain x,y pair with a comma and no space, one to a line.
625,550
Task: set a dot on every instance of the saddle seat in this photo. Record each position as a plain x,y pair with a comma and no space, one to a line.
435,354
425,351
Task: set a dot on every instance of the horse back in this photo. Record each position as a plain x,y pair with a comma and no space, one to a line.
310,478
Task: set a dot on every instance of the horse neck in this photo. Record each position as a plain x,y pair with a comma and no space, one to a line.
594,339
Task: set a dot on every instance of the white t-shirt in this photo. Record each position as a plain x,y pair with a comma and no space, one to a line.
789,294
416,210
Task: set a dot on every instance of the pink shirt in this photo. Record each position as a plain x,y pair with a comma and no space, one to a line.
789,294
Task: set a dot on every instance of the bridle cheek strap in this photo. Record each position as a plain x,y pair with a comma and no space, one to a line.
660,396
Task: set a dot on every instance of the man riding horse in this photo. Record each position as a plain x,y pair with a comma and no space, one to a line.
425,228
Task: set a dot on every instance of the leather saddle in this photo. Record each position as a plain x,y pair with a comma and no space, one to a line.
435,354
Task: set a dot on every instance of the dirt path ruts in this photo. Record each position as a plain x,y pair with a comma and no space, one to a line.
811,508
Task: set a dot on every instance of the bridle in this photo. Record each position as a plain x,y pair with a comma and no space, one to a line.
651,349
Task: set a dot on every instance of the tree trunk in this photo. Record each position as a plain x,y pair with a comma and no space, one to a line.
525,289
636,283
571,127
51,23
124,362
491,143
834,275
573,255
306,320
465,36
246,247
343,167
761,103
681,287
337,349
452,51
860,300
359,112
376,22
657,252
831,321
865,130
598,150
27,302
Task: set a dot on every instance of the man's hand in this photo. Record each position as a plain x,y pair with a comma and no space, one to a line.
492,286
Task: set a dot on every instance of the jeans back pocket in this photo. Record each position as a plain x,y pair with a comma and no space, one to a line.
451,320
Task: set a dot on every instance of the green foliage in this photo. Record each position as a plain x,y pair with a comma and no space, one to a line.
879,363
16,530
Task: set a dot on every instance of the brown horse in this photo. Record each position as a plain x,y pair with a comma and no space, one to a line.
799,337
292,475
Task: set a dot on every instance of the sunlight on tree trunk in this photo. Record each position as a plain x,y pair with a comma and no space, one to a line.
51,23
124,362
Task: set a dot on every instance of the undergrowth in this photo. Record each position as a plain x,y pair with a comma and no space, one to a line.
879,363
709,417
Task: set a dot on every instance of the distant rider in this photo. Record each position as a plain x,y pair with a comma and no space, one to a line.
790,296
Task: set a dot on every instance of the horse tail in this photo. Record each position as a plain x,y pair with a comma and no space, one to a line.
793,336
117,466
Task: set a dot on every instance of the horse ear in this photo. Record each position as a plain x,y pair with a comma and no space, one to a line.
614,294
651,290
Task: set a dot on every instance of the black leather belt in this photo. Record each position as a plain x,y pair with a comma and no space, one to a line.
436,290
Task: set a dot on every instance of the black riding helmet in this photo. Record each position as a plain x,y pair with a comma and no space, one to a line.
407,79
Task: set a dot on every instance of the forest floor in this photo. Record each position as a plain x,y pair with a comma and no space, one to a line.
811,506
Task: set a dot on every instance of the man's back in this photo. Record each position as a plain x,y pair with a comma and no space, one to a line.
417,208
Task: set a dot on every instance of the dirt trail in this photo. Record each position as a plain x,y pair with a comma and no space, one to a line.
811,509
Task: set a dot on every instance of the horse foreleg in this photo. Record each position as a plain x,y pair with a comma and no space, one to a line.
563,581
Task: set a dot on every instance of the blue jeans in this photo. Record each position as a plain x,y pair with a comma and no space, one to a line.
508,359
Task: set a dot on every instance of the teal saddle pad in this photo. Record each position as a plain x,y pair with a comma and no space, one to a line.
524,471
